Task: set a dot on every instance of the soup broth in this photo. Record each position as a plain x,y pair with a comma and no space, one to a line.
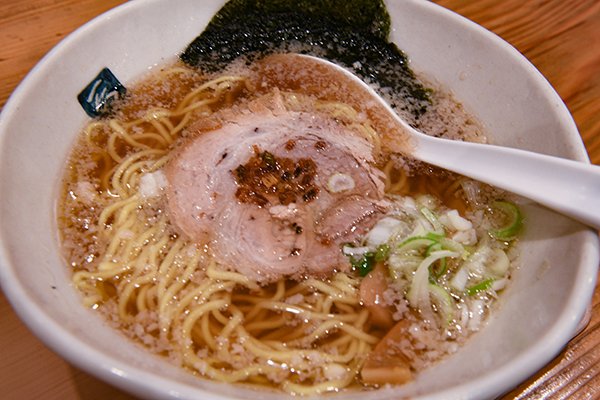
418,275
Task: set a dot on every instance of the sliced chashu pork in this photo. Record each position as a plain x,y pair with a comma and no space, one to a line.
298,234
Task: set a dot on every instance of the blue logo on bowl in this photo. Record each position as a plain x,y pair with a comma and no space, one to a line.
98,95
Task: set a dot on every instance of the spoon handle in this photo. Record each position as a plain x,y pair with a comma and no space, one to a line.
567,186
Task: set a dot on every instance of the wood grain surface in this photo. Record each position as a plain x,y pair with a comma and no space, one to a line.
560,37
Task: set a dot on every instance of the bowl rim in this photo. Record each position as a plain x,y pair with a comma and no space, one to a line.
152,384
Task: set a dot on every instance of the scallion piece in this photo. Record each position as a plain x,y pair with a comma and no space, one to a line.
382,252
439,268
480,287
443,301
421,276
414,243
432,219
363,265
512,217
433,247
434,236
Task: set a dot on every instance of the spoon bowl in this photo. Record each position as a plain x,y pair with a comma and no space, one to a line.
569,187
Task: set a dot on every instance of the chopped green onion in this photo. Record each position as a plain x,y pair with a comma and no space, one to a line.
439,268
443,301
433,247
460,278
382,252
432,219
364,264
421,276
480,287
434,236
453,245
401,266
512,216
415,242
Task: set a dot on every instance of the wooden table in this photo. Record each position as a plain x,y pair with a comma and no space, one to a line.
561,37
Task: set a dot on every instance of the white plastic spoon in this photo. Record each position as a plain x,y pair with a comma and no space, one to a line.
569,187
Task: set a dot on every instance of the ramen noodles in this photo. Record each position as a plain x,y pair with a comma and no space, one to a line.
265,225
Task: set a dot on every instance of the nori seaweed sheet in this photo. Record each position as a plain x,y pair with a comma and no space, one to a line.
353,33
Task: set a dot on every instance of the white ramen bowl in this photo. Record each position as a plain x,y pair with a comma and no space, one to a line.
539,312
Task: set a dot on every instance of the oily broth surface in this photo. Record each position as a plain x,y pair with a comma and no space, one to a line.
86,188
